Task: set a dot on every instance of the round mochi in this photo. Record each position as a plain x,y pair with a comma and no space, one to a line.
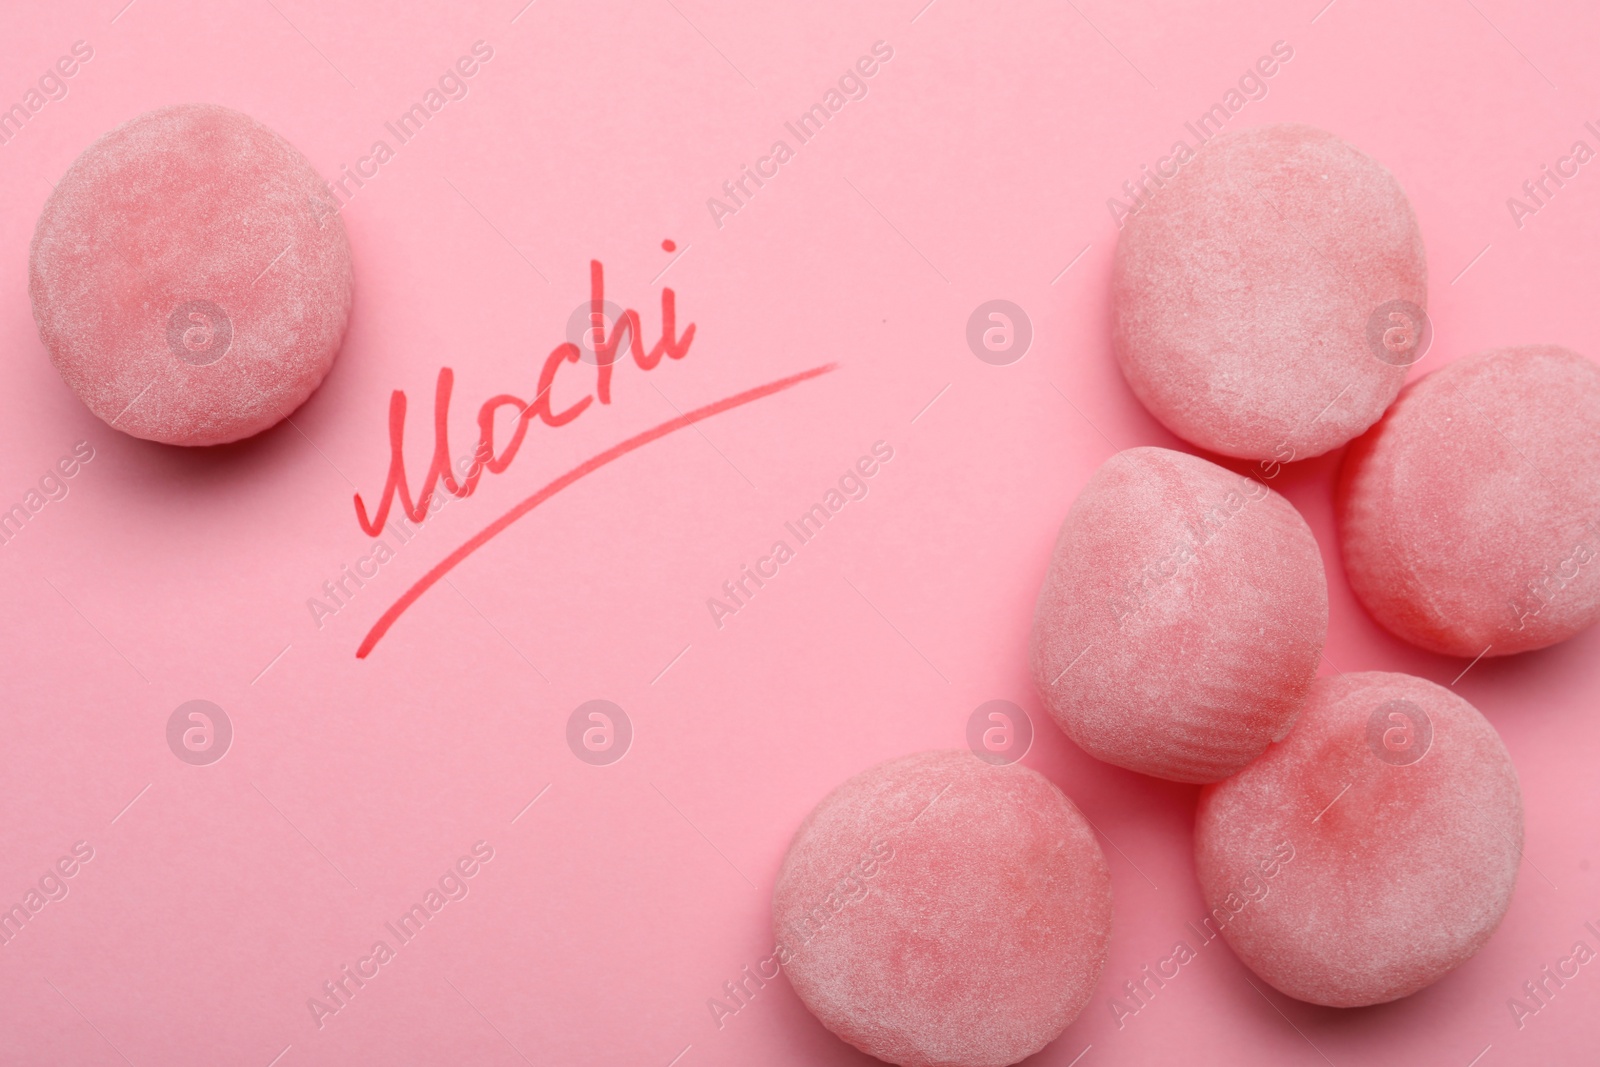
1182,618
1468,514
1370,852
190,277
1255,294
938,909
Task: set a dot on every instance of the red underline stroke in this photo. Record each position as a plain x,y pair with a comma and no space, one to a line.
587,467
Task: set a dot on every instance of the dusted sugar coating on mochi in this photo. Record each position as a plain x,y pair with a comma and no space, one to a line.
1468,516
1182,618
190,277
938,909
1370,852
1244,294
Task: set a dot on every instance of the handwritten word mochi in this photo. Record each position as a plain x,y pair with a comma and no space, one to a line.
1468,515
1403,815
1267,299
937,909
190,277
1181,619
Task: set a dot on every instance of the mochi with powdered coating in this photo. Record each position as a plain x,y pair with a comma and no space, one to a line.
190,276
1401,816
1182,617
938,909
1245,294
1468,516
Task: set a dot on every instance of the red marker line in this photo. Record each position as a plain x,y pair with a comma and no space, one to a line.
587,467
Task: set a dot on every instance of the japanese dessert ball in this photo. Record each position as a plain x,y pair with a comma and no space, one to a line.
1468,515
1269,296
938,909
1182,617
190,276
1371,851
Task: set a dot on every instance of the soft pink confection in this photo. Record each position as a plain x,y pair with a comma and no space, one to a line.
1182,617
191,277
1268,297
1468,514
1370,852
938,909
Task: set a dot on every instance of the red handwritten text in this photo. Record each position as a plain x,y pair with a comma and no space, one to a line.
485,457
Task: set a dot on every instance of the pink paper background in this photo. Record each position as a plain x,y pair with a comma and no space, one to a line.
977,167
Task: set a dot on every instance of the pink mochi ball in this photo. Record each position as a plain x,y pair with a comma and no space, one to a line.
1182,617
1369,853
938,909
190,277
1468,514
1269,295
